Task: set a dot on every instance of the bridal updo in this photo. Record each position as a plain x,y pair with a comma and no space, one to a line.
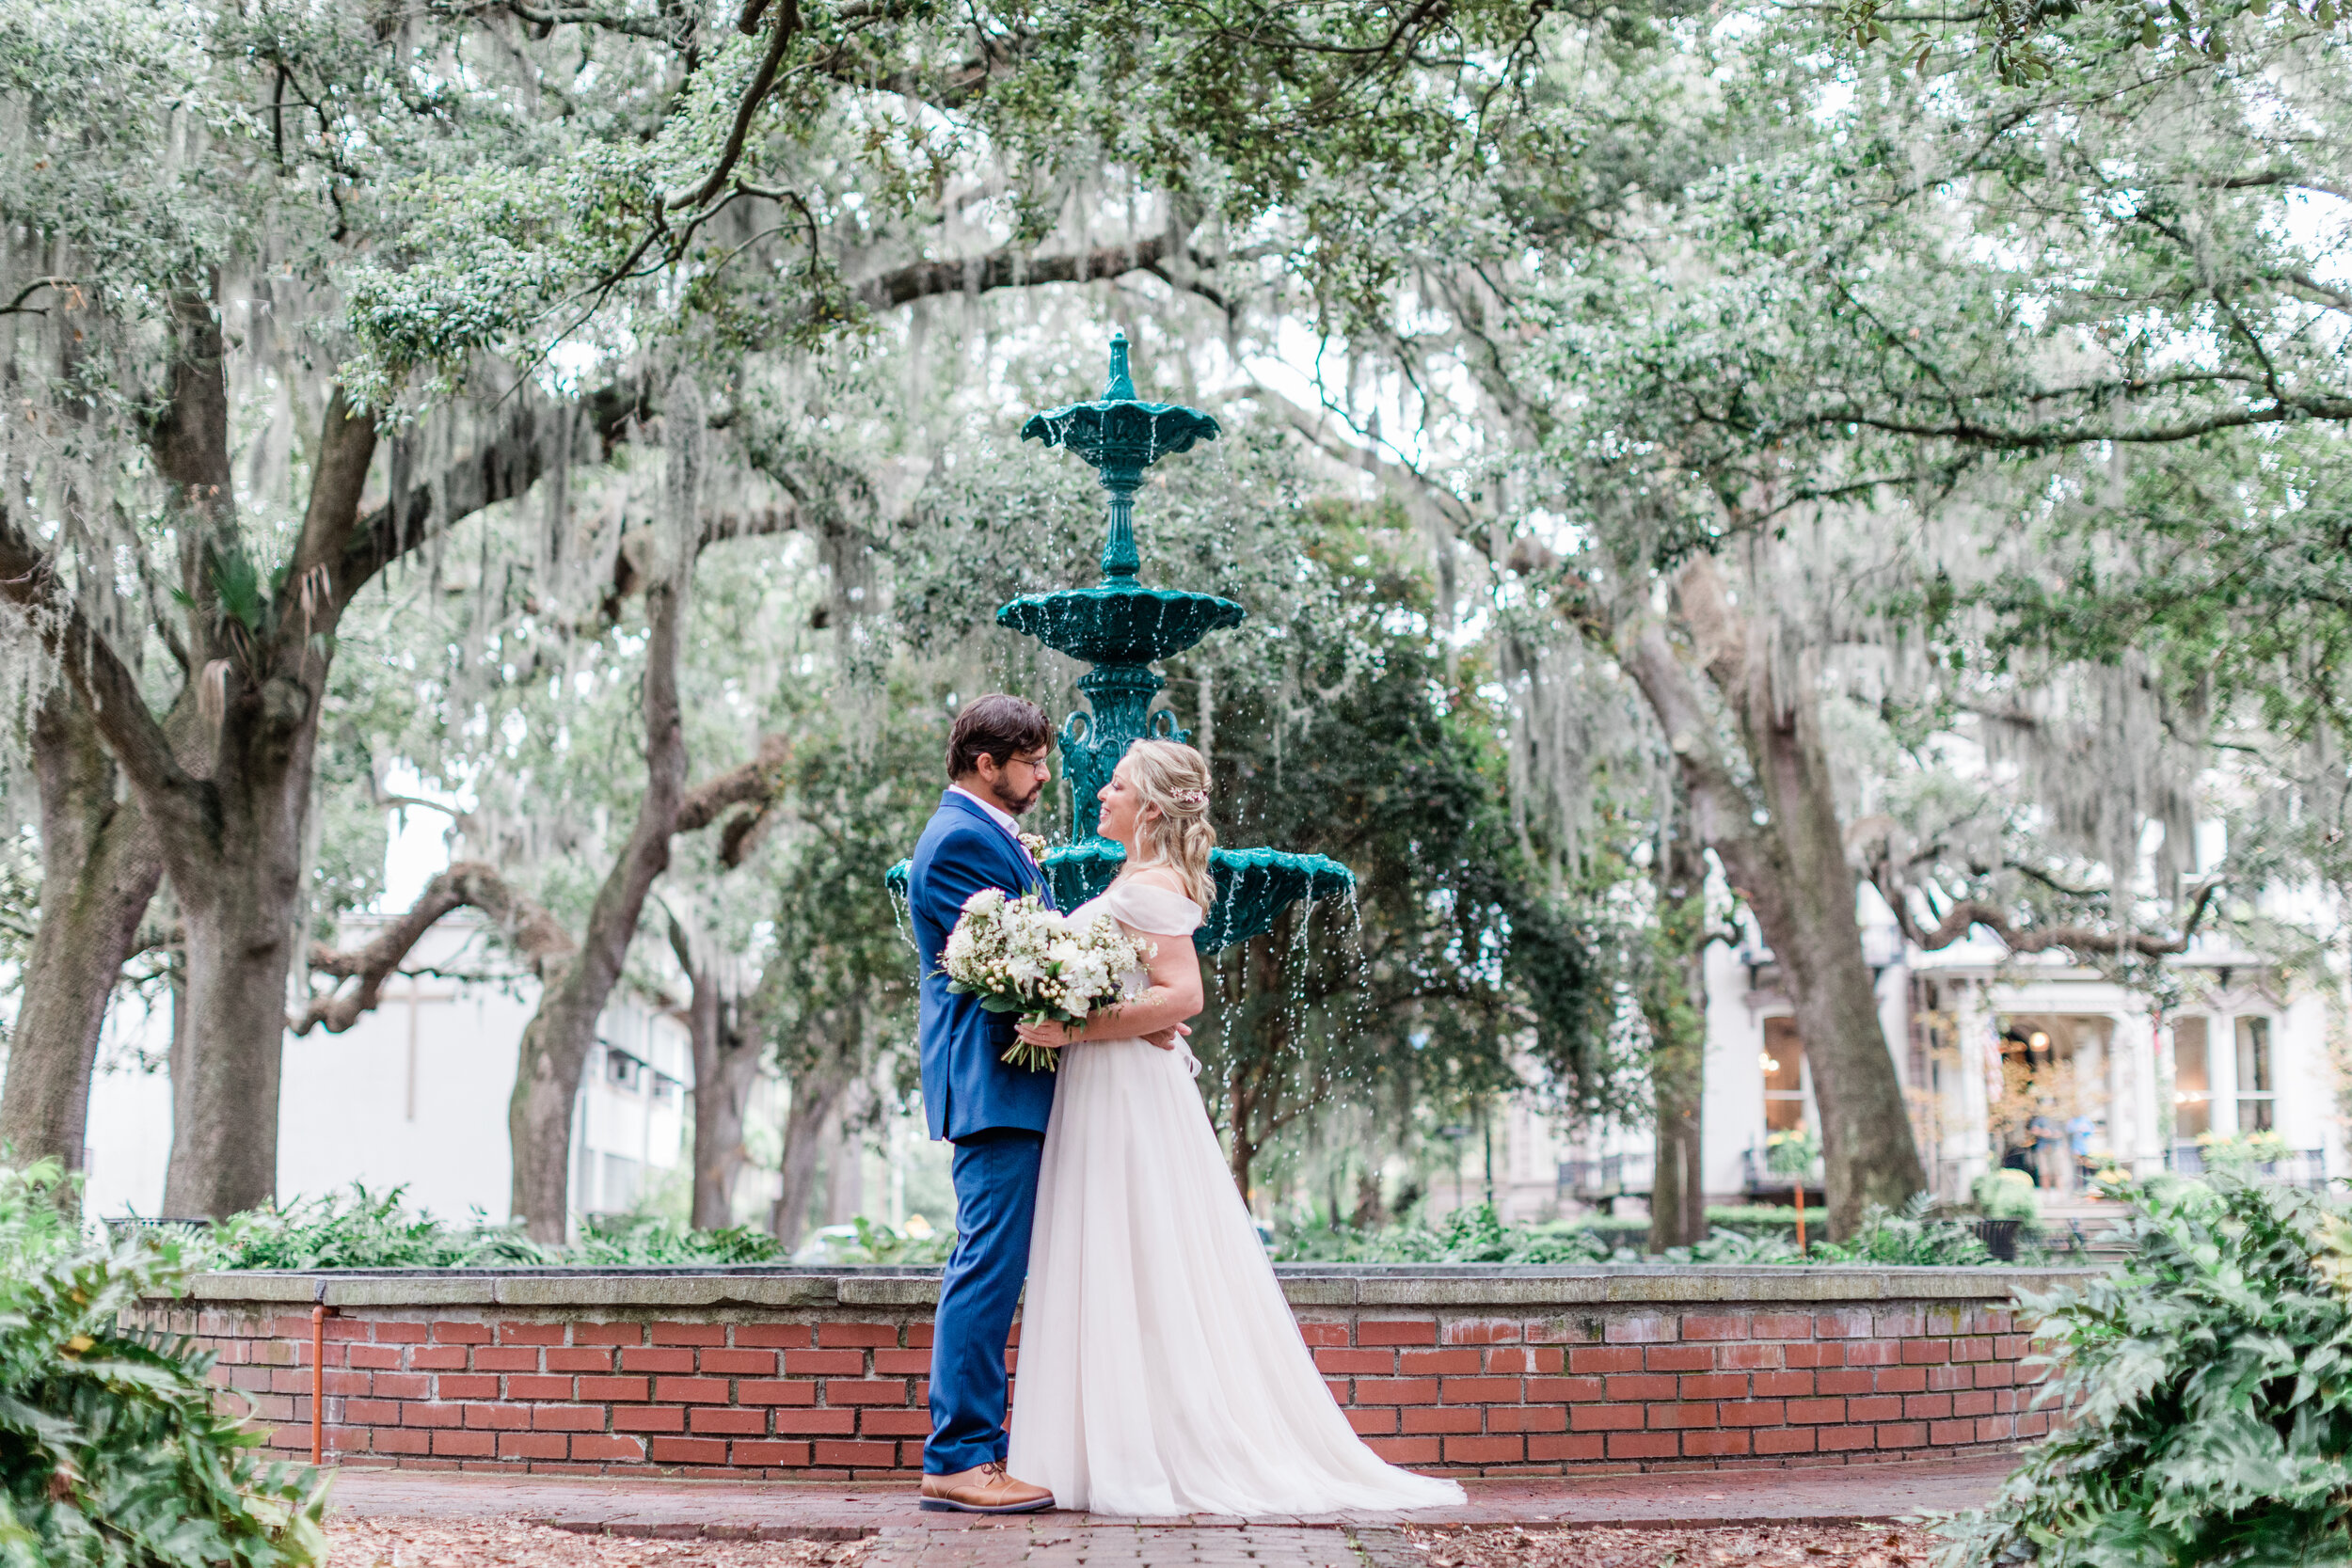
1174,780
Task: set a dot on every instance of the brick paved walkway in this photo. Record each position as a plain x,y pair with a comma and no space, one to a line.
905,1537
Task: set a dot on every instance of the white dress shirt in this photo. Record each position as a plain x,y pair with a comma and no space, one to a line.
1004,818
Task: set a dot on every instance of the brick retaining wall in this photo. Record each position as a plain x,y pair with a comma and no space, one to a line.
804,1375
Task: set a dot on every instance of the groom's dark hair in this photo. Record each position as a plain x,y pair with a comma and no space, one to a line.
996,726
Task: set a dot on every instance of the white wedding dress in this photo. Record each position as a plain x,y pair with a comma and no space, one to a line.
1160,1370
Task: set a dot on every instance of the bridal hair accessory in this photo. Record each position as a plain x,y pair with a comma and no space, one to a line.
1197,799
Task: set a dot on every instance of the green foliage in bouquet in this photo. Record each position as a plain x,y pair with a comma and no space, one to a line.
2210,1381
112,1453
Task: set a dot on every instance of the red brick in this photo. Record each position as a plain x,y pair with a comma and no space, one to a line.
374,1357
1338,1387
1979,1403
405,1386
1843,1439
748,1392
1334,1361
608,1334
1321,1335
1781,1385
1665,1417
1997,1374
1566,1446
1396,1331
1699,1325
372,1411
1747,1358
1480,1390
455,1333
843,1390
1843,1380
1951,1432
1375,1423
901,1363
464,1445
1829,1355
649,1418
816,1423
1714,1385
1396,1390
1679,1358
415,1415
1527,1418
437,1358
347,1382
874,1422
692,1390
1404,1450
1752,1413
771,1454
656,1360
465,1385
1541,1391
1926,1352
843,1335
531,1333
580,1360
499,1417
1785,1440
1482,1331
568,1418
1485,1450
539,1389
519,1359
1940,1379
1873,1352
732,1363
1996,1429
731,1421
1646,1329
689,1334
689,1451
1815,1412
1441,1418
1906,1435
875,1455
396,1440
1781,1325
1642,1385
1645,1444
534,1445
1877,1407
1605,1417
1532,1359
336,1328
1442,1363
825,1363
396,1333
627,1390
1714,1444
771,1336
1565,1331
1901,1380
1847,1323
1928,1407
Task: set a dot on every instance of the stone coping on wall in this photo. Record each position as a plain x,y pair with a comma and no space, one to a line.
1433,1285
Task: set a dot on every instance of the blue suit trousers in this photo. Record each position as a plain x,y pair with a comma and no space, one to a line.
995,1176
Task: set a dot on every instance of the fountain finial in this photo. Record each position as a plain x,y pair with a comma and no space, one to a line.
1121,387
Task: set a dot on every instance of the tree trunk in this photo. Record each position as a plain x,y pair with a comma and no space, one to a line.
100,867
1785,853
1673,1003
818,1092
557,1041
727,1047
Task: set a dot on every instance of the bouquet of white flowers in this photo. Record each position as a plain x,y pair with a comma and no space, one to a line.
1019,957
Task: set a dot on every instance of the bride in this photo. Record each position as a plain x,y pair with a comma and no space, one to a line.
1161,1372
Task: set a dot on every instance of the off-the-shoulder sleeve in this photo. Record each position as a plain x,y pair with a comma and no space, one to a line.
1144,907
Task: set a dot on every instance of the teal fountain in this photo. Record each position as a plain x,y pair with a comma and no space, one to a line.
1120,627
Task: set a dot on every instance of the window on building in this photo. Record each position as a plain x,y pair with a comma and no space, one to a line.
1784,1076
2256,1089
620,1185
2192,1081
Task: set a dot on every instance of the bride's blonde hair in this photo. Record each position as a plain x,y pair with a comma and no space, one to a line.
1175,779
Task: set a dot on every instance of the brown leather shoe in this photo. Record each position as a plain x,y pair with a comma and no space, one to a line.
986,1490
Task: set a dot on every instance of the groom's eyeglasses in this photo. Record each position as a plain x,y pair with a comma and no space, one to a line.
1041,763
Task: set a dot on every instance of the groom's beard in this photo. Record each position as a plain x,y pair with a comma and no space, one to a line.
1018,805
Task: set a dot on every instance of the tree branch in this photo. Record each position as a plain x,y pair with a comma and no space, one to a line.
1967,913
469,884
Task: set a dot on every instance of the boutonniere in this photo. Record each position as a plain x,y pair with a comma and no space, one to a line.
1035,845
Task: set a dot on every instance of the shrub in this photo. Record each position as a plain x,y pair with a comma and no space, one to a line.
1909,1238
112,1452
362,1230
2211,1409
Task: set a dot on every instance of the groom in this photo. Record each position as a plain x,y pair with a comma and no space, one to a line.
998,754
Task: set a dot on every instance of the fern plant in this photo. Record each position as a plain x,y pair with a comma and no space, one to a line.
112,1451
2209,1387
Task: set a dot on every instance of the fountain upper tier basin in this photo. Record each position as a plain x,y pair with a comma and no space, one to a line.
1120,623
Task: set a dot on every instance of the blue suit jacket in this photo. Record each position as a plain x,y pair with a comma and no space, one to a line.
966,1089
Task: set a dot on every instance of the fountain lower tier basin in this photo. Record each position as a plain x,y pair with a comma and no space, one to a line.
1120,624
1252,885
